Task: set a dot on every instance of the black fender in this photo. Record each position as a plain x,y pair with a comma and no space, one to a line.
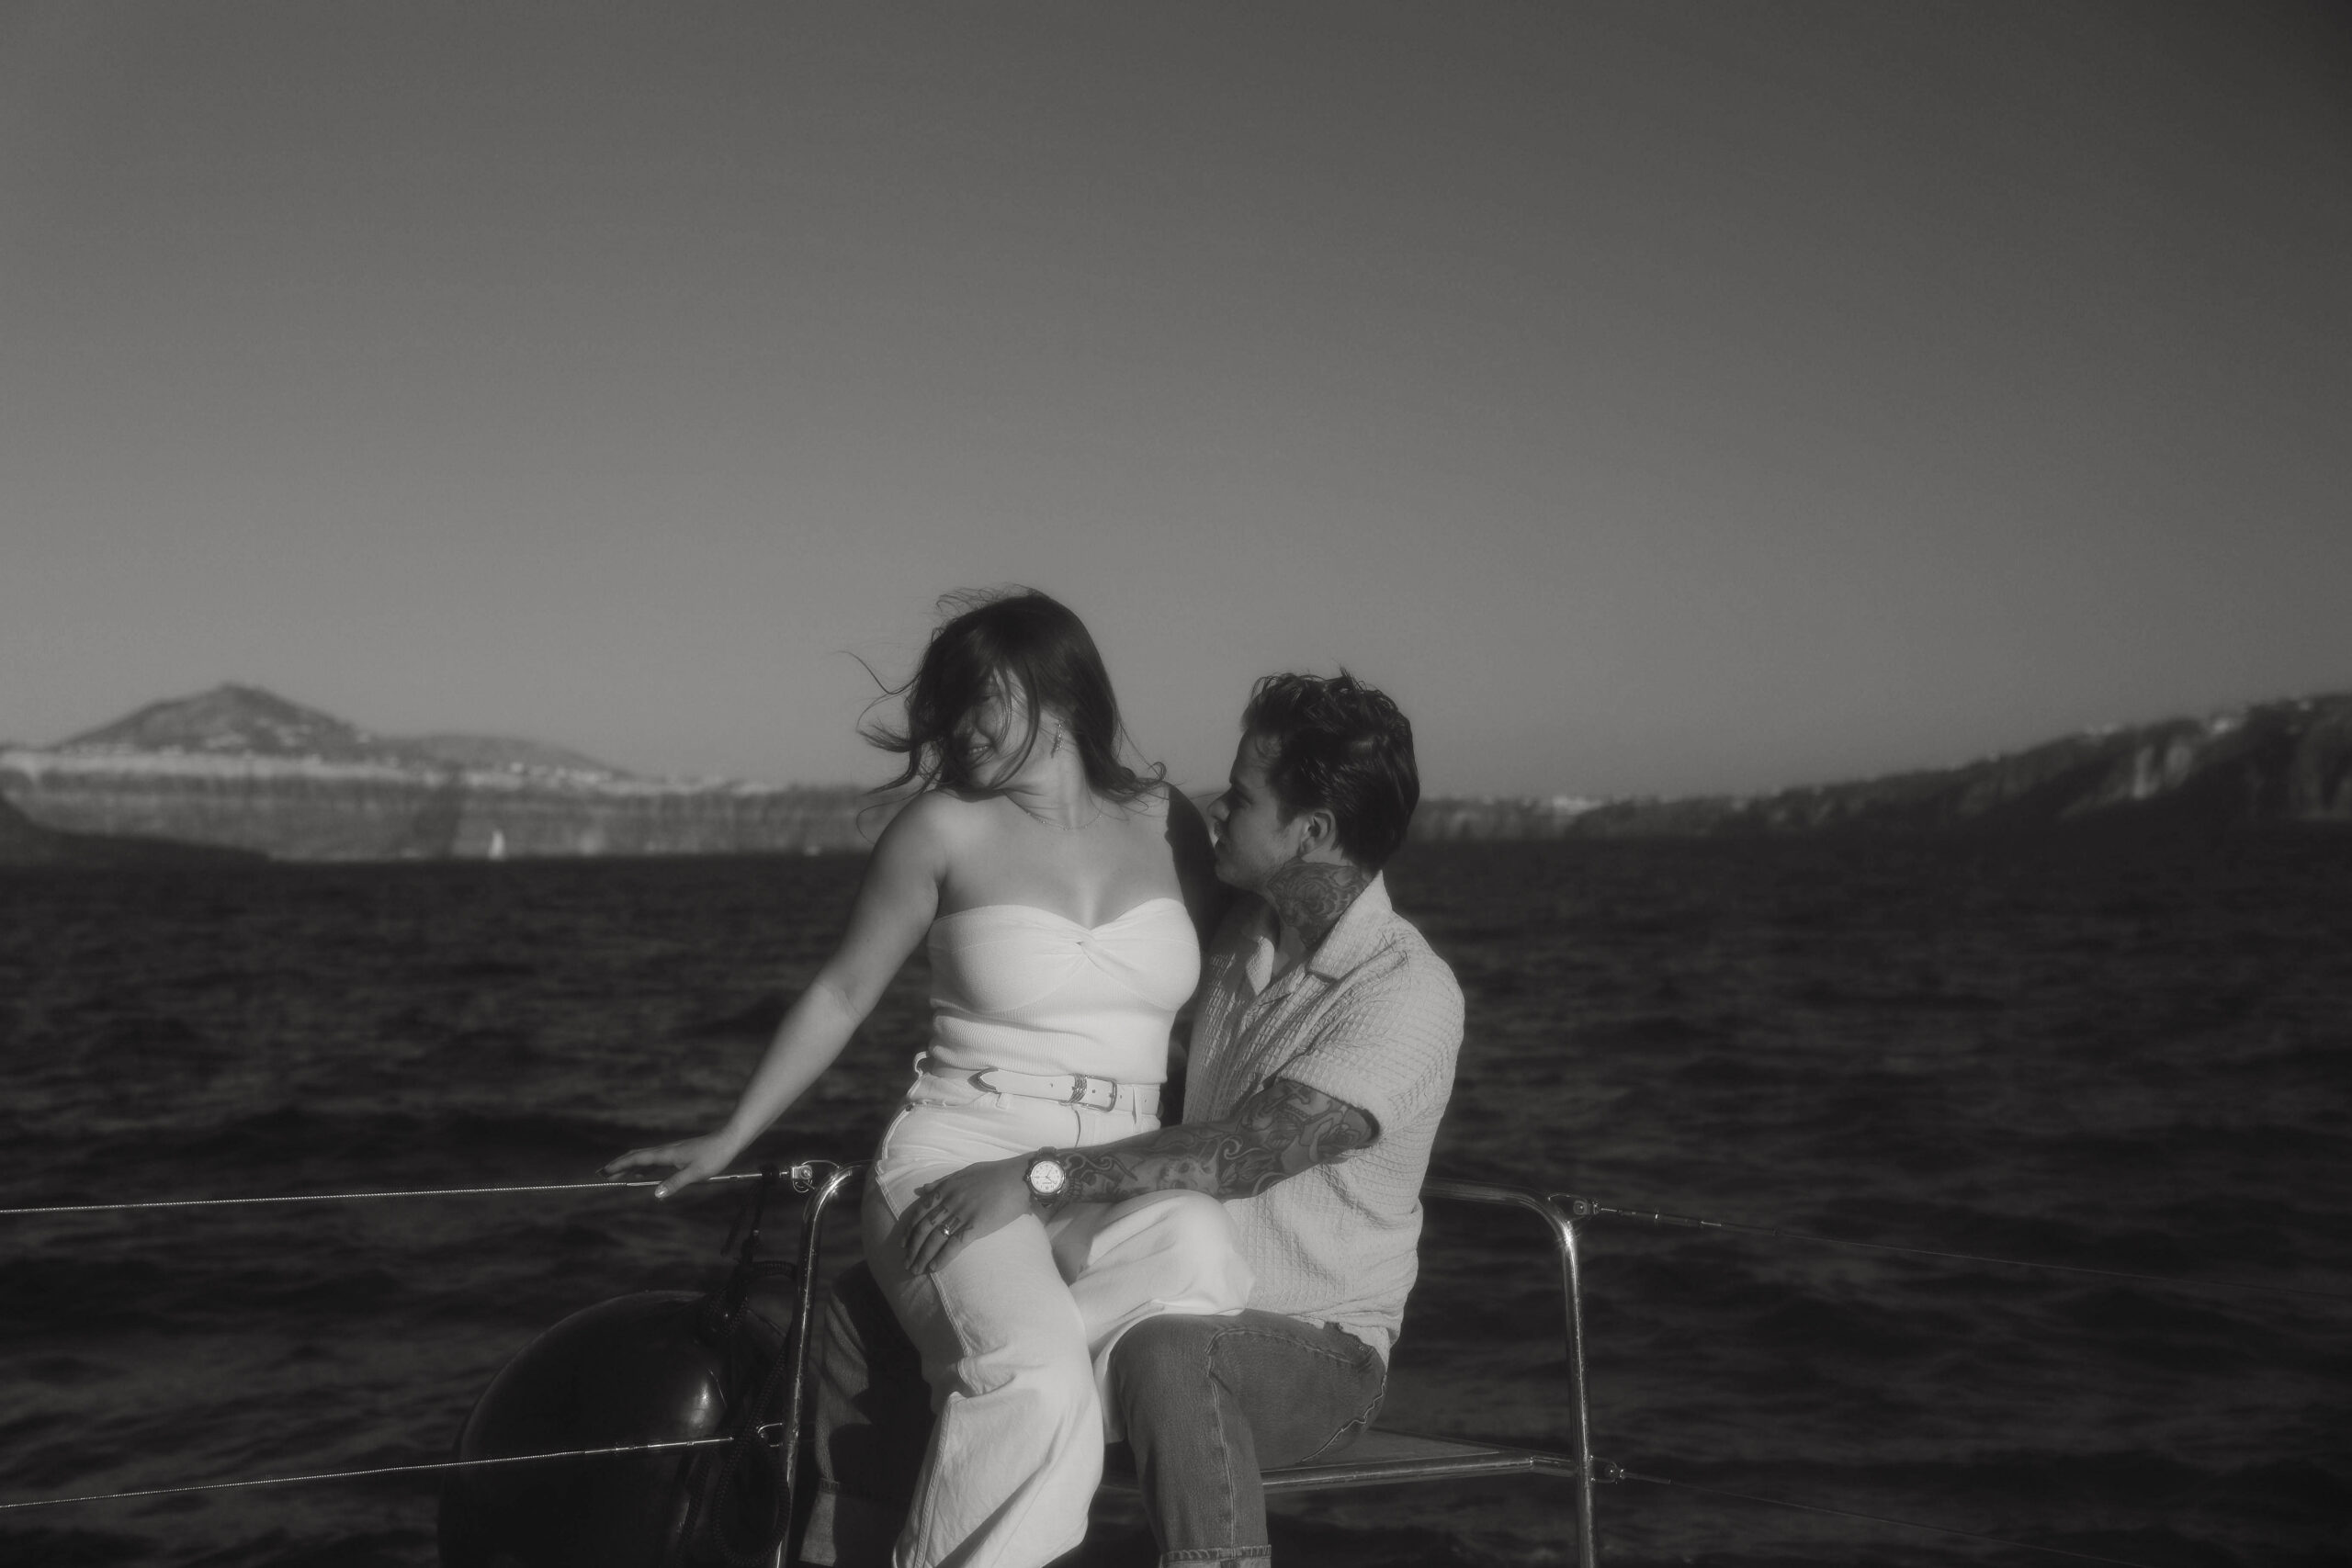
657,1366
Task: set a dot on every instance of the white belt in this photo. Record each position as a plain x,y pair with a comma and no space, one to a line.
1067,1088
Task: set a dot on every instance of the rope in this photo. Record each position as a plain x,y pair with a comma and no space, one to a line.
380,1470
1881,1519
1692,1222
353,1197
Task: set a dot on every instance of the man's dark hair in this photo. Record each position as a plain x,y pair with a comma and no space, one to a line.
1338,744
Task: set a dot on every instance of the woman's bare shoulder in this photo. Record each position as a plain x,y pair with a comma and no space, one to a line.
937,822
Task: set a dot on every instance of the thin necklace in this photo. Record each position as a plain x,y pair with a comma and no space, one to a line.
1044,821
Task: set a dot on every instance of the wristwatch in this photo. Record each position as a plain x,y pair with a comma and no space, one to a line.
1047,1178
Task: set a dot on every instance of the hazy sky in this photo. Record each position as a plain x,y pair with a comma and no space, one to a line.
1653,397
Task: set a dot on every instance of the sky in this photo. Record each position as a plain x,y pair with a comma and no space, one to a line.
1654,398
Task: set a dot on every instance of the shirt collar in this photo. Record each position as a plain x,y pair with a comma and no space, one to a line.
1250,930
1247,937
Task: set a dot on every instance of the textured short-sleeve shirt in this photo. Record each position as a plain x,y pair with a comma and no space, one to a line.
1372,1016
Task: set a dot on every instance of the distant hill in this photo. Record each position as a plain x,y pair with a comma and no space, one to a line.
2265,763
243,768
246,721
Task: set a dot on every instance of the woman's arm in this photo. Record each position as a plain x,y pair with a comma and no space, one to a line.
895,903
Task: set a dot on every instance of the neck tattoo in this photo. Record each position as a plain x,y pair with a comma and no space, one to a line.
1311,896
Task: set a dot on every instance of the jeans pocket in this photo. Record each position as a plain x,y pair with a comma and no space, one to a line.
882,1145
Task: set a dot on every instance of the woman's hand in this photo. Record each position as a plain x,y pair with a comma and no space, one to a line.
955,1210
692,1160
895,905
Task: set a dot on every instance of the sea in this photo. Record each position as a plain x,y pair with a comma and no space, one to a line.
2124,1059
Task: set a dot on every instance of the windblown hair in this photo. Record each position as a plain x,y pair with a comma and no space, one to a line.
997,642
1341,746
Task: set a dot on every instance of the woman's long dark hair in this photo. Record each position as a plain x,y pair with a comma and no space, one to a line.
991,642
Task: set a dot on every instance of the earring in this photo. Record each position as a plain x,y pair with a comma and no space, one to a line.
1056,749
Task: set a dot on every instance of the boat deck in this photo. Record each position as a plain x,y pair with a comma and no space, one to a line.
1381,1458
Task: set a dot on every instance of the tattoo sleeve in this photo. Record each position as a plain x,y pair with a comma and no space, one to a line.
1282,1129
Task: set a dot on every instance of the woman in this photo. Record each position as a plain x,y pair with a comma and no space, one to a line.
1064,898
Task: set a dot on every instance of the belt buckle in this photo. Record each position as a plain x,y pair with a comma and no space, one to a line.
1079,1084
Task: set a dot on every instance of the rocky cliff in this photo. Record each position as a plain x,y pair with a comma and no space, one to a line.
1444,817
243,768
25,842
2267,763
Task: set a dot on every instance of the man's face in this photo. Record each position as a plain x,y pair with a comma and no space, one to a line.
1252,840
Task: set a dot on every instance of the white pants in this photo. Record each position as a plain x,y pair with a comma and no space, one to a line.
1015,1331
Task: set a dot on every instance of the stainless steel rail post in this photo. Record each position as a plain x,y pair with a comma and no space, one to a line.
1563,1223
822,1191
1572,1281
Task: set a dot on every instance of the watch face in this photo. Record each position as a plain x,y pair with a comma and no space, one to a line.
1046,1177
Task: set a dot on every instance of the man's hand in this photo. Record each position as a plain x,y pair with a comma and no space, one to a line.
951,1212
1282,1129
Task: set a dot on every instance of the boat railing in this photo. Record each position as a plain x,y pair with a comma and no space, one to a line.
1377,1458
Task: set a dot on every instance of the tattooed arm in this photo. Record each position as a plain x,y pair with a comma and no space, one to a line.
1282,1129
1278,1131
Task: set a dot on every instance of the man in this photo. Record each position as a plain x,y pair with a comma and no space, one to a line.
1322,1058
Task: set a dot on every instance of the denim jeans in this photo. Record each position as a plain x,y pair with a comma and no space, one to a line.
869,1425
1206,1401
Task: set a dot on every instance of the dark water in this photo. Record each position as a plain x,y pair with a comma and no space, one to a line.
2133,1061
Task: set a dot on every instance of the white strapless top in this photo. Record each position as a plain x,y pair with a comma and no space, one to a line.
1031,991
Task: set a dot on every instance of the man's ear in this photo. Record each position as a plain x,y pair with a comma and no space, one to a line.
1319,833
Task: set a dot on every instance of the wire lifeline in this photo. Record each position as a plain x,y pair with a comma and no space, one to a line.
675,1444
1686,1222
357,1197
1878,1519
1694,1221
